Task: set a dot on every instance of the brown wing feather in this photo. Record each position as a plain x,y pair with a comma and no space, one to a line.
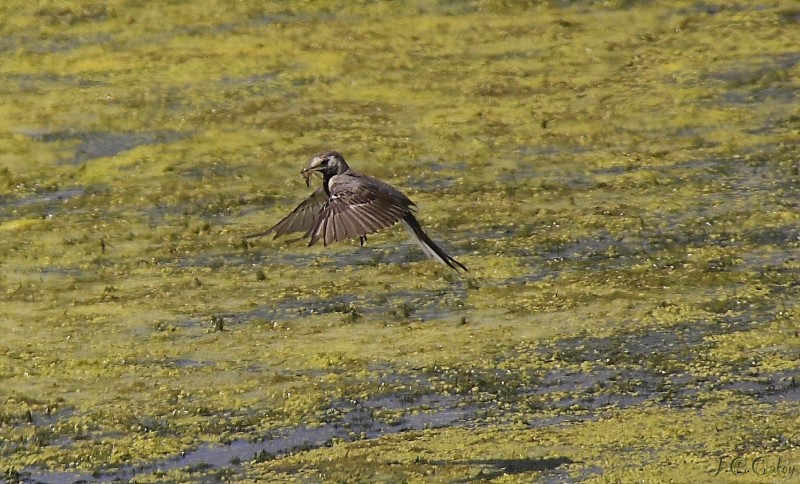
301,219
359,205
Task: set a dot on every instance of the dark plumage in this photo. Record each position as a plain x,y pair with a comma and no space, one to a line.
349,205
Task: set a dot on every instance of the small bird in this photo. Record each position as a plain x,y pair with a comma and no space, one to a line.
350,205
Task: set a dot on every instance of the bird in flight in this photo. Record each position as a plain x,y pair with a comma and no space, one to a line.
349,205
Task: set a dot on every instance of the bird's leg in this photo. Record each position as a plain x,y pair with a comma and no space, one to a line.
363,239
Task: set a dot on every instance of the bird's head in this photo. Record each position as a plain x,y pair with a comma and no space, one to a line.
329,163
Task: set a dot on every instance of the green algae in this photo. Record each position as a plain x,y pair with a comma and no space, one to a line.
620,178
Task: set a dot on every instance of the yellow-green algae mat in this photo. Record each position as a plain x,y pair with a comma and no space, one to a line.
620,177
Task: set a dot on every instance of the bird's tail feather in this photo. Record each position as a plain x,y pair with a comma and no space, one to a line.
427,245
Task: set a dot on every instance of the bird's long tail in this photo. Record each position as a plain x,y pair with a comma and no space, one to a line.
427,245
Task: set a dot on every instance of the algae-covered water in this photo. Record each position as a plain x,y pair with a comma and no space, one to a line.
621,178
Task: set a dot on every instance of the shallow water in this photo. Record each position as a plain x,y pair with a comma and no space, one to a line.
620,179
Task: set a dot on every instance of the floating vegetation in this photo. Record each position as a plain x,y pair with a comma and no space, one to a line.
621,179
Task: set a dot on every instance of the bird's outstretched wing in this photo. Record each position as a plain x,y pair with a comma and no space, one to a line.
302,219
358,205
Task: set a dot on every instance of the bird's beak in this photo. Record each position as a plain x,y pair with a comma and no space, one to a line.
312,167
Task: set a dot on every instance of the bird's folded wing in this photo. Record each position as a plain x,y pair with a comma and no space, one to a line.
354,210
301,219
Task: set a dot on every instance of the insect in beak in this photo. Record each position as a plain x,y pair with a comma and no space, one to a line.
307,175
